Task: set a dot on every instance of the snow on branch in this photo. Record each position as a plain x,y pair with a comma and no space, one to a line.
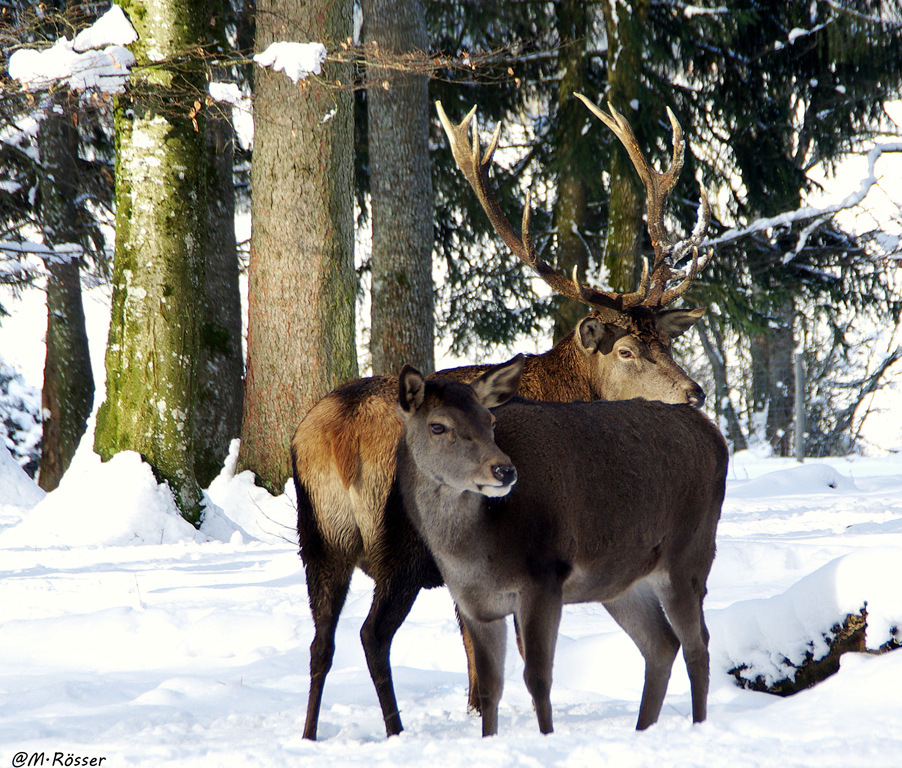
296,60
80,63
809,212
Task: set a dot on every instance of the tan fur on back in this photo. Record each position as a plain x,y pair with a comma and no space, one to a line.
345,457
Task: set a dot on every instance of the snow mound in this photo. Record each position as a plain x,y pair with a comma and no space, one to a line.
769,638
250,508
116,503
804,479
17,489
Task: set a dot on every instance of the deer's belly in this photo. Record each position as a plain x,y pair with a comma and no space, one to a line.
600,582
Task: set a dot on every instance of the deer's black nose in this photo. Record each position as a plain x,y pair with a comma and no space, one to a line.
696,397
505,473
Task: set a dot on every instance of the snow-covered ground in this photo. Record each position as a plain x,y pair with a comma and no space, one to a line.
126,635
128,638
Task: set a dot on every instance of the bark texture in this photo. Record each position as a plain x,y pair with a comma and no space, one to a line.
220,370
773,377
301,279
401,193
68,390
624,23
570,206
715,351
160,244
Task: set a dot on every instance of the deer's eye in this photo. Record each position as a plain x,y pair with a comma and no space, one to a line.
437,429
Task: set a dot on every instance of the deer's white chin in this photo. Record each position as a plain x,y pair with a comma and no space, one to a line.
494,491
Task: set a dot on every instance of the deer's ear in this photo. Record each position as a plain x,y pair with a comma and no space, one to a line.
675,322
499,383
596,336
411,389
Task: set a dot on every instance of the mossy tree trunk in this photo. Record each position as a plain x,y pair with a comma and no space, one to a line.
570,207
68,390
220,370
158,270
624,23
301,278
402,328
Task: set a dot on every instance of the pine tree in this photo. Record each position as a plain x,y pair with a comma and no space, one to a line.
67,394
400,185
220,368
776,88
301,278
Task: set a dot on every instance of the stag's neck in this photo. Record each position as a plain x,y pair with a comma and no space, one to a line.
558,375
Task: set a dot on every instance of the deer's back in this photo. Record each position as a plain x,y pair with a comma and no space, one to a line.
607,492
343,452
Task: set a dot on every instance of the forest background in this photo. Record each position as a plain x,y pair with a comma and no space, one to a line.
368,251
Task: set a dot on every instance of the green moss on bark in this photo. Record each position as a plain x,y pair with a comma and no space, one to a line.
158,267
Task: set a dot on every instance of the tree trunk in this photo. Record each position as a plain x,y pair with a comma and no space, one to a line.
624,23
723,406
401,193
773,378
570,206
301,279
68,391
220,368
160,244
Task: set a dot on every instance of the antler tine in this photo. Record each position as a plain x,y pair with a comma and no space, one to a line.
693,242
466,152
657,185
671,175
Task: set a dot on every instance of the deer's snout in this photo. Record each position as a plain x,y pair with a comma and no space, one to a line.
696,397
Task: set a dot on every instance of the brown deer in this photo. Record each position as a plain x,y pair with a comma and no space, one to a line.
614,502
343,452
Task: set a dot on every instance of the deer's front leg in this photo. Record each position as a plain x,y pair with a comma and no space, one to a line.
539,618
489,643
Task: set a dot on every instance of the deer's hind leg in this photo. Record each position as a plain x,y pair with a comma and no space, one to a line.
392,601
641,616
328,579
682,597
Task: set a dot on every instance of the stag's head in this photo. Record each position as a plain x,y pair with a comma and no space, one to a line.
626,337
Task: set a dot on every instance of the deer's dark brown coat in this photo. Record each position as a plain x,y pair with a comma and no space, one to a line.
615,502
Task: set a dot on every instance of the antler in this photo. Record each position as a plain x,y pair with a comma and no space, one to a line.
657,187
476,170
